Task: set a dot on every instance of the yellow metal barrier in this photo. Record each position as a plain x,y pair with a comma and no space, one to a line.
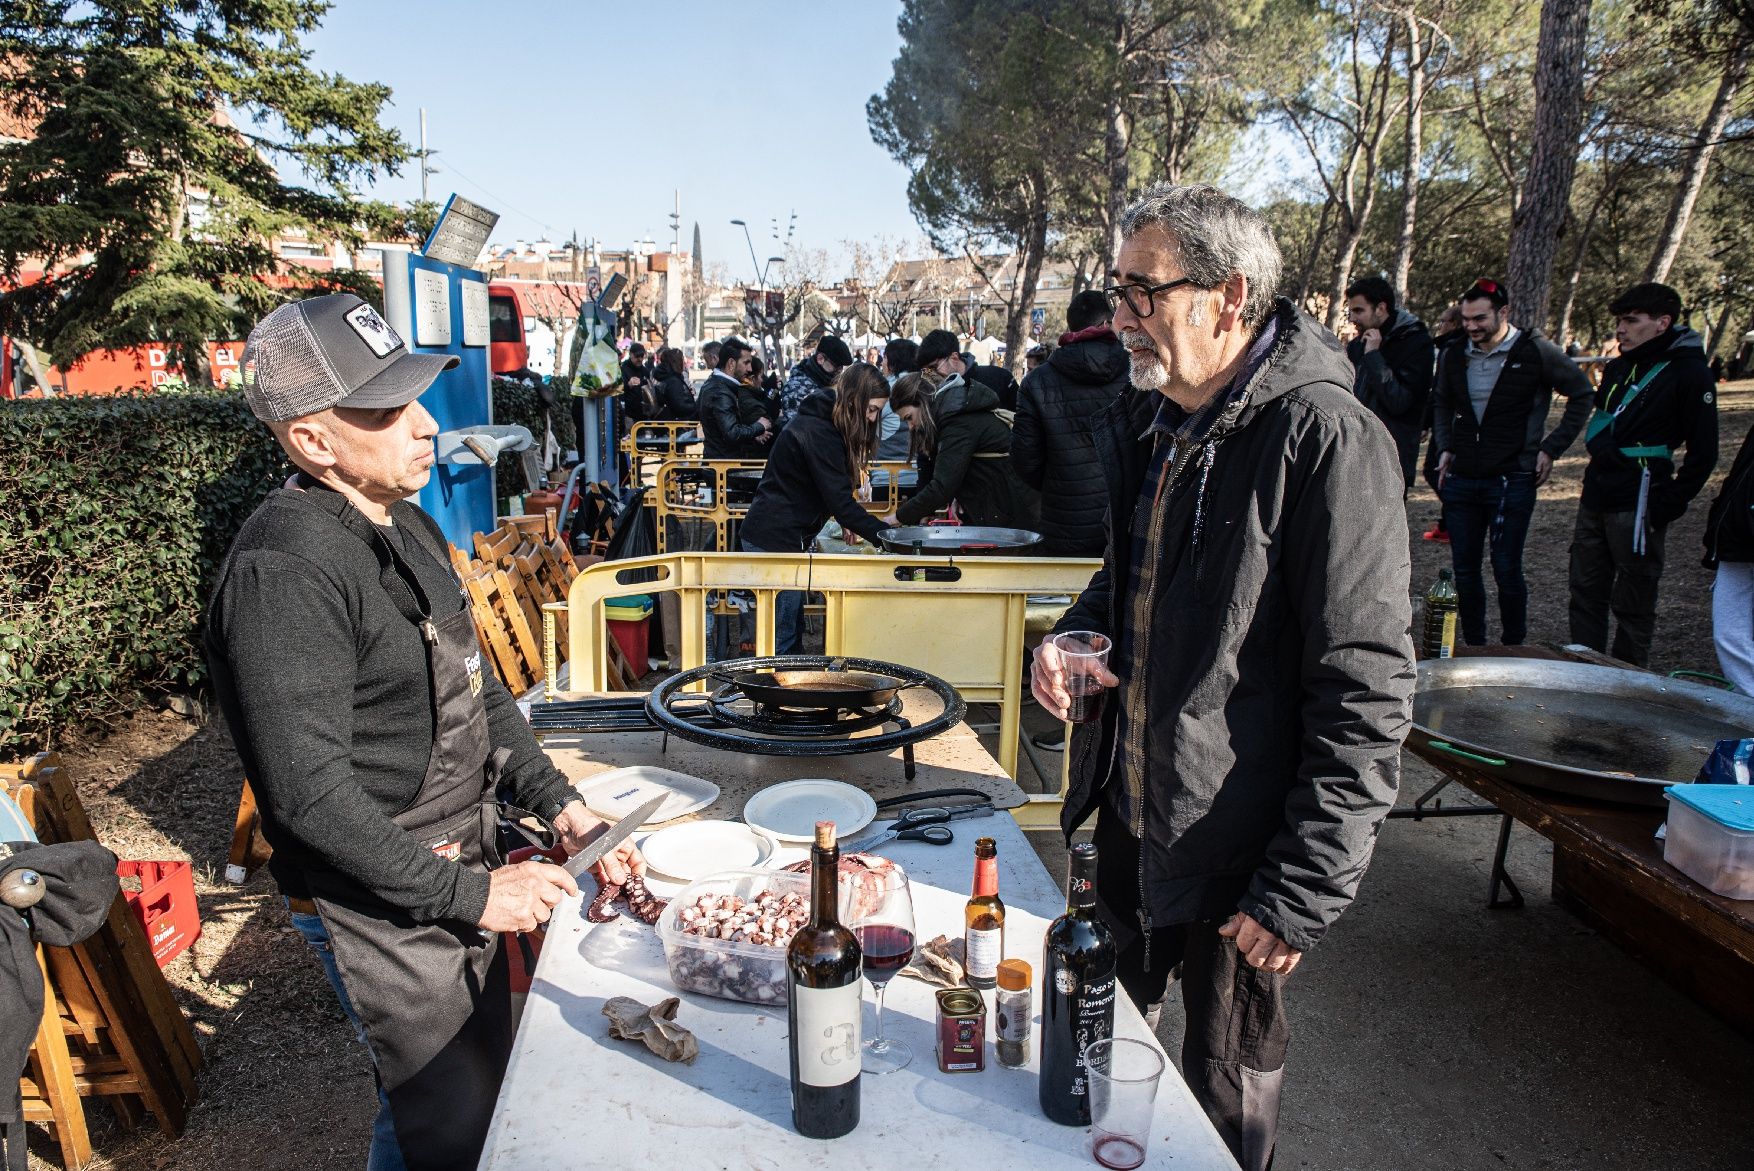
964,622
659,439
719,491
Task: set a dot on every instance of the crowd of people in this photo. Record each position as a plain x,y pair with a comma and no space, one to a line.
1476,391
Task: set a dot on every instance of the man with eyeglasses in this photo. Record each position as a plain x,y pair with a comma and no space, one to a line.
1489,421
939,354
1255,587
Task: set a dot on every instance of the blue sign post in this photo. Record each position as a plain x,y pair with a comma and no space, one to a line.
441,308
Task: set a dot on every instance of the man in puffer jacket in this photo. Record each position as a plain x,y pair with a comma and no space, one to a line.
1658,395
1051,449
812,374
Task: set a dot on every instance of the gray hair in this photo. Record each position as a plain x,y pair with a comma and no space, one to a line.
1216,237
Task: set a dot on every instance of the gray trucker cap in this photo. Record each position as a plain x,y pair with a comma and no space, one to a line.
332,351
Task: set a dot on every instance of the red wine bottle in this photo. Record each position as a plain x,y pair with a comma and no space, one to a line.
1077,994
823,970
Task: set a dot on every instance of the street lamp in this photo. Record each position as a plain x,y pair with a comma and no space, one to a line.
760,272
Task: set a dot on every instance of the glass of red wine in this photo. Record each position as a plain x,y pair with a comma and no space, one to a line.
1083,657
882,917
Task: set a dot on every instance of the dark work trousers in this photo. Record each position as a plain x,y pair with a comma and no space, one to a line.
1606,574
1490,513
1233,1052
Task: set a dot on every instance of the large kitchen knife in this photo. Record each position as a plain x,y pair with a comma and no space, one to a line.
577,864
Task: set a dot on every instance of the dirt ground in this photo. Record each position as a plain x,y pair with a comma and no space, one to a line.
285,1086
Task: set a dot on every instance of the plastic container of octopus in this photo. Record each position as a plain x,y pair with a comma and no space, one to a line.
725,935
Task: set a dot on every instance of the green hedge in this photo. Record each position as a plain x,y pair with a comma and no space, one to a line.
116,514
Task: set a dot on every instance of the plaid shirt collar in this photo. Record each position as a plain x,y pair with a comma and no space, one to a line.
1173,422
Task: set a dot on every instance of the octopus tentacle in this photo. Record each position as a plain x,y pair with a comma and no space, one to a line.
600,910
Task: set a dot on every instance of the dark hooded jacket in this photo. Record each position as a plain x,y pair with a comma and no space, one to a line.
1394,381
730,415
1729,526
1280,676
1051,448
1677,407
970,463
805,482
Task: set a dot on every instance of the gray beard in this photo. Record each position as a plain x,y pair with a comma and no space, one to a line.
1146,369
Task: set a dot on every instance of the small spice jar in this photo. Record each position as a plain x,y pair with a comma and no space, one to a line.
1012,1013
962,1030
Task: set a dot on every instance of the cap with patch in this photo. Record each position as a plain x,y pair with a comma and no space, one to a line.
332,351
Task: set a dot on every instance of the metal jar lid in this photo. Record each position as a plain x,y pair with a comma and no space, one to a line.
959,1002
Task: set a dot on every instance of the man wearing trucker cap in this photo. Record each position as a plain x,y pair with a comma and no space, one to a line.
346,662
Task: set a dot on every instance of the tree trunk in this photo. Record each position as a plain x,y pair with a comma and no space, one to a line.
1610,184
1715,343
1309,260
1034,247
1699,160
1416,55
1117,142
1540,218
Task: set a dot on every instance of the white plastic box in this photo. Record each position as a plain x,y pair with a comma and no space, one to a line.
1711,837
749,972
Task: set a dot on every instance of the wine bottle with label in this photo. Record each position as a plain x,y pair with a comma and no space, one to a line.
823,974
984,918
1077,994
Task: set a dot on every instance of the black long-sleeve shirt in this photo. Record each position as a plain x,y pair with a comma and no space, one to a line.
324,685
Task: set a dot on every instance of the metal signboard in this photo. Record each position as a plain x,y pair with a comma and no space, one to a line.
461,232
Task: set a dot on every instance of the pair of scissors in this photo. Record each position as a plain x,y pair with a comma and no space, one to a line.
916,825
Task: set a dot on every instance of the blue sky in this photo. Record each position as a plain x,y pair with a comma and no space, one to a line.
752,110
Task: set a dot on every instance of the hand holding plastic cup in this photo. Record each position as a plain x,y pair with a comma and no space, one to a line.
1123,1077
1084,660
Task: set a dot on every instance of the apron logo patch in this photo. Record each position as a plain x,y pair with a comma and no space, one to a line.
447,849
1708,398
472,665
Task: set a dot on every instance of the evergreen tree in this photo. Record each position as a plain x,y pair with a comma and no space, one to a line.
149,191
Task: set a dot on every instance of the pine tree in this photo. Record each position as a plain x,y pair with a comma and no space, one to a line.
149,191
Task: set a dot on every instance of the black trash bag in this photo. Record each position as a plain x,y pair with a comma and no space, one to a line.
79,885
635,534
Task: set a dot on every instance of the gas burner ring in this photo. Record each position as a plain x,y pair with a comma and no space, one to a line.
797,732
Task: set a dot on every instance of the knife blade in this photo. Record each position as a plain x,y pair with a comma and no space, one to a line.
594,853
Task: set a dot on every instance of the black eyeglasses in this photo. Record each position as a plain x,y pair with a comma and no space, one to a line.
1141,299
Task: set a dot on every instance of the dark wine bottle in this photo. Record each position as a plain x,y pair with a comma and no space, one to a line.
984,919
1077,994
823,970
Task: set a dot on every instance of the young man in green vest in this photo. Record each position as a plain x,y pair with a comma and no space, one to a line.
1658,395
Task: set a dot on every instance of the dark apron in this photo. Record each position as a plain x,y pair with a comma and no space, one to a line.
434,998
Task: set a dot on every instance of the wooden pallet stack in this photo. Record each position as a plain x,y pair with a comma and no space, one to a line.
110,1025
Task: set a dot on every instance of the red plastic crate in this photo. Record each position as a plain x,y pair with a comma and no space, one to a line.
164,905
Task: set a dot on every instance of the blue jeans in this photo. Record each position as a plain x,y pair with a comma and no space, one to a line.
788,615
1491,512
386,1153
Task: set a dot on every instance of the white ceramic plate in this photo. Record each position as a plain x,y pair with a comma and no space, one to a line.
618,792
790,810
695,849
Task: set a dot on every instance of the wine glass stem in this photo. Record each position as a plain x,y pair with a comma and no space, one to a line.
877,1041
